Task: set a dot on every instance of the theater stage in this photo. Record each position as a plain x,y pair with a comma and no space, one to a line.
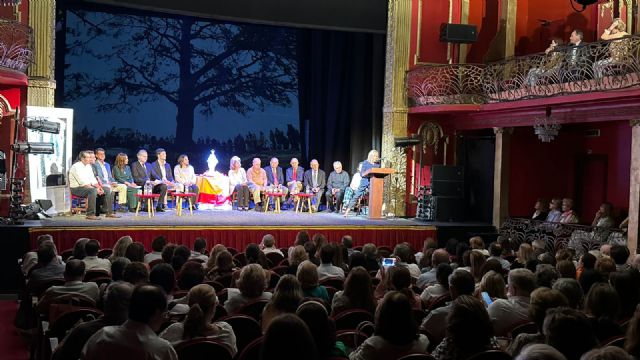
231,228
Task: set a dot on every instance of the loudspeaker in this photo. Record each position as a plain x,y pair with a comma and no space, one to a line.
447,188
447,173
458,33
55,180
448,208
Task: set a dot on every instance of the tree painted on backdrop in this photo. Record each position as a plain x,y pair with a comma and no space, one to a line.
195,65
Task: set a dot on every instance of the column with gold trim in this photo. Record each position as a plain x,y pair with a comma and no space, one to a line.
42,84
501,175
394,119
634,188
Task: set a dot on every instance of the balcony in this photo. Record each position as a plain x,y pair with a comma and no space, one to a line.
16,46
603,66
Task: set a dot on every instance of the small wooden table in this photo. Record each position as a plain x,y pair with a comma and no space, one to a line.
275,196
150,203
300,198
179,198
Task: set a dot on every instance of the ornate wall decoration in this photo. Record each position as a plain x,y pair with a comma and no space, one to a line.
396,184
16,45
430,135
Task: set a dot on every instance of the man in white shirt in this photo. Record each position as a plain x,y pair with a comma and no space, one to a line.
495,250
268,245
200,250
83,183
157,245
326,268
92,261
440,256
73,273
506,313
136,338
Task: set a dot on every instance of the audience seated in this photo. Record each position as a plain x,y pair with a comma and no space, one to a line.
135,252
49,267
602,305
136,338
566,269
268,245
440,256
495,252
493,284
157,245
136,273
191,274
606,353
200,250
116,308
224,266
73,274
571,289
540,352
441,287
202,301
308,276
469,331
30,259
357,293
397,278
117,268
477,243
163,276
251,286
286,299
92,261
120,247
505,313
370,252
396,333
402,251
296,257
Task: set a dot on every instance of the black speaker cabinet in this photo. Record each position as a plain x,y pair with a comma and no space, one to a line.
458,33
449,208
447,188
447,173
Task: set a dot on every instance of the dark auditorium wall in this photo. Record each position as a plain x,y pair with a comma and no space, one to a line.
552,168
532,37
431,50
485,14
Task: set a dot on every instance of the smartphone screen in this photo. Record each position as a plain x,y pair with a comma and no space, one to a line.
388,262
486,298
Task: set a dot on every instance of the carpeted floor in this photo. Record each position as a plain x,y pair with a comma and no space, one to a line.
12,345
230,218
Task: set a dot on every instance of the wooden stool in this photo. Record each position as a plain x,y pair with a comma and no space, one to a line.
300,197
180,198
275,196
150,203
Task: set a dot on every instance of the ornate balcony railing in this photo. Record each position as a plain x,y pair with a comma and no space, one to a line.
558,236
16,45
597,66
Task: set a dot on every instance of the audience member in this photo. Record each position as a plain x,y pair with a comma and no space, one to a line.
269,245
469,331
357,293
286,299
116,308
477,243
493,284
566,269
202,301
117,268
191,274
568,215
48,268
495,250
523,256
326,268
606,353
163,276
251,286
602,306
200,250
403,252
310,248
569,331
91,260
546,275
224,266
396,333
627,285
554,210
620,255
30,259
78,249
157,245
477,261
135,252
73,274
167,252
322,328
571,289
136,273
296,257
307,274
440,256
397,278
506,313
370,252
632,338
586,262
211,262
288,338
542,299
347,242
136,338
181,255
540,352
441,287
605,266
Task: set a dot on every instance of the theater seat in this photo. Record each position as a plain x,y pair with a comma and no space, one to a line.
202,348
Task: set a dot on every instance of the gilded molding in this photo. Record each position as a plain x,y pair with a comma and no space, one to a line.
42,21
464,19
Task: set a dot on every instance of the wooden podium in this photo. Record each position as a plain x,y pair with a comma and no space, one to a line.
376,189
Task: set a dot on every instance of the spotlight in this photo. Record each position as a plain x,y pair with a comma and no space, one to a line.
41,124
33,148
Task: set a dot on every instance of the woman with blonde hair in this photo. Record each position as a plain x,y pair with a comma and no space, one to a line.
308,276
202,301
373,161
185,175
477,261
618,48
215,251
122,175
296,257
286,299
493,284
524,254
250,287
224,266
120,247
239,183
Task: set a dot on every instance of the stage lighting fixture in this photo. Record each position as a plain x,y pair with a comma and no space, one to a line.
406,141
33,148
43,125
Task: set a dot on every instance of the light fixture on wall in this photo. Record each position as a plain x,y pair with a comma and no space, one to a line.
545,127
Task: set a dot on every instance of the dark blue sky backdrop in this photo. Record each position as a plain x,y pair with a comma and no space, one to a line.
109,55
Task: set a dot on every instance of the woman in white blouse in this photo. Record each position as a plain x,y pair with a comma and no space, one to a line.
184,175
239,184
202,301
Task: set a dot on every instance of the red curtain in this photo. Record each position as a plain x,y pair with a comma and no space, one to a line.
238,238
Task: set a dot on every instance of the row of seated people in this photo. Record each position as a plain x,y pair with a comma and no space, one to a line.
577,62
93,178
560,210
456,330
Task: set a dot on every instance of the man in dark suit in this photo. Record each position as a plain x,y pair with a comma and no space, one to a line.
316,181
275,176
140,171
578,63
161,174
